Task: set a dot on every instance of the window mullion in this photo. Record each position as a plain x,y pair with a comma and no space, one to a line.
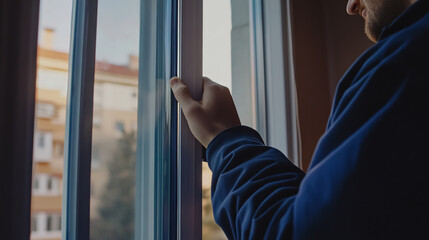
77,144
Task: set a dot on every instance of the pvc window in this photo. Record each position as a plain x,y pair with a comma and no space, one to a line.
147,181
140,167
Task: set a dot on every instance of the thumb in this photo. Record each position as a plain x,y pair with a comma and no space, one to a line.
181,92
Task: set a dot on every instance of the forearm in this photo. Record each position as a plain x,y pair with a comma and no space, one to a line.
253,186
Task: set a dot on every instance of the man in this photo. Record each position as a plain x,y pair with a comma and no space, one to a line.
369,176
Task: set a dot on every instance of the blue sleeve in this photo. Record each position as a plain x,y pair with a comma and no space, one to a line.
368,178
253,186
373,185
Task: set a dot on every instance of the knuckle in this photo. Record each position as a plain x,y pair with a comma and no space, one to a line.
225,89
221,90
216,88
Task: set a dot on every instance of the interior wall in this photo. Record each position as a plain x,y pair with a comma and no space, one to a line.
345,40
326,41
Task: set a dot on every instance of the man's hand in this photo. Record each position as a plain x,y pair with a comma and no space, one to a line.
213,114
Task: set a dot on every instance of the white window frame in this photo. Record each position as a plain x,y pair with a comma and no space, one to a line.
281,99
189,149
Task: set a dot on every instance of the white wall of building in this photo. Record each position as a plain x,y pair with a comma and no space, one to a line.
52,80
116,97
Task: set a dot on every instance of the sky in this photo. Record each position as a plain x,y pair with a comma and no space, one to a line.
117,27
56,14
118,32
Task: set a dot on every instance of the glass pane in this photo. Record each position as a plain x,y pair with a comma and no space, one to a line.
51,94
227,61
155,205
115,120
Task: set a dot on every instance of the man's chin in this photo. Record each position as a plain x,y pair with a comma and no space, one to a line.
372,32
371,36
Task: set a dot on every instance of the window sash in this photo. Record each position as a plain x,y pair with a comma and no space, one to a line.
168,167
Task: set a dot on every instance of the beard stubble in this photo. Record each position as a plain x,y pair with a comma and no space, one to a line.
380,14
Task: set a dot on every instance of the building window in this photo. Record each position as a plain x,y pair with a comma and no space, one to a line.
53,223
59,149
49,184
34,223
95,161
119,126
43,146
44,184
45,110
36,184
49,224
41,140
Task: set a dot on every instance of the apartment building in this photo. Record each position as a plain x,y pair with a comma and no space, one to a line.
115,111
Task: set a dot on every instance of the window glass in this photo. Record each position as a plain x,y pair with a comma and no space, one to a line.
53,222
49,222
227,61
51,94
35,183
115,115
33,223
41,141
120,126
49,187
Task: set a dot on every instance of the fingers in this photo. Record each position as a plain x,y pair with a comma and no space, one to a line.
181,92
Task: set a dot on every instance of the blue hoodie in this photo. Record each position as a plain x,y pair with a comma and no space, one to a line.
369,176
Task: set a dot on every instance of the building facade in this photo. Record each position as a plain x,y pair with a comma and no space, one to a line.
115,111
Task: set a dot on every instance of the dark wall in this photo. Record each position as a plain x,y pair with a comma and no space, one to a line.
311,72
345,39
18,54
326,41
